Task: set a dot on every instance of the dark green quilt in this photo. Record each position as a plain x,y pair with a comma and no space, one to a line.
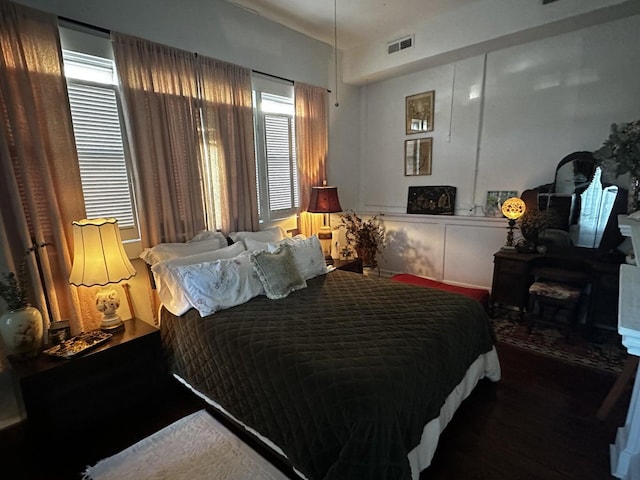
342,375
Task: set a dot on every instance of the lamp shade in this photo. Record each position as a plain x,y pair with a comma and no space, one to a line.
513,208
98,254
324,200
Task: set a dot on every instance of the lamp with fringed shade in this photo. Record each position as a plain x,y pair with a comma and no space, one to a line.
99,259
325,200
512,208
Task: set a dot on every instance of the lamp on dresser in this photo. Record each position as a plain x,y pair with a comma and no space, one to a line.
99,259
512,208
325,200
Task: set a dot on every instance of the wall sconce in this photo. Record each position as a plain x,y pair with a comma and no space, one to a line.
325,200
512,208
99,259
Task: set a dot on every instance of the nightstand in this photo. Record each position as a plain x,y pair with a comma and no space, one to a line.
63,396
349,265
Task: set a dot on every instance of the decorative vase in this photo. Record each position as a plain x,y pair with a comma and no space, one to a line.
368,256
22,332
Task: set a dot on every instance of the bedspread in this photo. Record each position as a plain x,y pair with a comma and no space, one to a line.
342,375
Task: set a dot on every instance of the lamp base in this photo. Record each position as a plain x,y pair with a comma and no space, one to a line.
112,324
509,249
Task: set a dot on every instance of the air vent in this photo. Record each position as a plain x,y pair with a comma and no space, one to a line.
401,44
544,2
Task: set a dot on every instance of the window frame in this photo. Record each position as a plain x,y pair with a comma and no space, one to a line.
270,86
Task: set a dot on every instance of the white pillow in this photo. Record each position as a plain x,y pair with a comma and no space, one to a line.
214,286
278,272
256,246
166,251
168,284
208,234
273,234
307,255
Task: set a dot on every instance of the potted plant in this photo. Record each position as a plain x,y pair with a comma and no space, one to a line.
365,236
21,326
532,223
622,149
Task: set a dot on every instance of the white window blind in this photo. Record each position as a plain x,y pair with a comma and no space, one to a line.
99,139
275,151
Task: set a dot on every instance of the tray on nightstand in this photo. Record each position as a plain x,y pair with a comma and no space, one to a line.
79,344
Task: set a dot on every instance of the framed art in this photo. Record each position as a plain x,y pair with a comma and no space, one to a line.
433,200
495,199
417,156
419,112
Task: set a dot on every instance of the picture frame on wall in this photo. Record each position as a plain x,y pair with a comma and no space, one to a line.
419,112
432,200
418,156
495,199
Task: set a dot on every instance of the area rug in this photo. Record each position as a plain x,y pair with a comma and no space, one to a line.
196,447
601,350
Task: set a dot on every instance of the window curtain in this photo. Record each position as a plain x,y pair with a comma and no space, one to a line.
312,143
160,92
39,173
229,152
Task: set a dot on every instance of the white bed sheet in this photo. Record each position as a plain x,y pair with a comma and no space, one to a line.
486,365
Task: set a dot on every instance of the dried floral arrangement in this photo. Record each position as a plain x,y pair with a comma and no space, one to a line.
13,289
534,222
363,234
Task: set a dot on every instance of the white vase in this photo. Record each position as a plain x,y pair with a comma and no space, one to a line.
22,332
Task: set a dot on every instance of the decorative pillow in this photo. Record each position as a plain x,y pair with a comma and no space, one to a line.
255,246
273,234
307,255
168,284
166,251
214,286
277,272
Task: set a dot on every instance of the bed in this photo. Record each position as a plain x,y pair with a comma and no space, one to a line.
351,377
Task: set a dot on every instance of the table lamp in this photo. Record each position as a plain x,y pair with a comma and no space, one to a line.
99,259
325,200
512,208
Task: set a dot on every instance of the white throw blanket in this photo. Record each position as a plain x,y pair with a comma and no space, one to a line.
195,447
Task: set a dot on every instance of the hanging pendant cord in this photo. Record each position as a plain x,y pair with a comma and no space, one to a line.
335,46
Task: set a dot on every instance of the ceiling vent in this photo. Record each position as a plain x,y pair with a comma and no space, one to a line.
402,44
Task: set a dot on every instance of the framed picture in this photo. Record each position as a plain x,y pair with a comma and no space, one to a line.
417,156
433,200
495,199
419,112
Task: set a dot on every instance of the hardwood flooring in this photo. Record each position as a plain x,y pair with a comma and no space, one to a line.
538,422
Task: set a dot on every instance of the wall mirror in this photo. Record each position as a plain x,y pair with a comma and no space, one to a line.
417,156
419,112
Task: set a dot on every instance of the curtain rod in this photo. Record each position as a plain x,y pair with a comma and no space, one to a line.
277,77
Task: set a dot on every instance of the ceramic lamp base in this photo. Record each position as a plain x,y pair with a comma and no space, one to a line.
107,302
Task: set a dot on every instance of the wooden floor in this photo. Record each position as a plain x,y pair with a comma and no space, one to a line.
538,422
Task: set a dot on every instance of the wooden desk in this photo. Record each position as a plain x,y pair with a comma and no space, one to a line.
513,274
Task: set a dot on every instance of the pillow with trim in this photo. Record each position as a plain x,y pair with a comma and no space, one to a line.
277,272
272,234
307,255
168,284
214,286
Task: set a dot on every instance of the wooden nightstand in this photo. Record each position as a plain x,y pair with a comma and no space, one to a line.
63,396
349,265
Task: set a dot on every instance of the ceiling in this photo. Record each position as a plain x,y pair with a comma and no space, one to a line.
358,21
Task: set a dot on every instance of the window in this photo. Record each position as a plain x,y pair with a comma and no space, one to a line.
276,161
100,140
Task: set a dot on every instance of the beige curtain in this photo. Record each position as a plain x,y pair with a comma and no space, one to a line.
229,155
39,173
161,95
312,143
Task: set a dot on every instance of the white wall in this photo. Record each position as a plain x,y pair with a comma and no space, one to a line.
542,100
